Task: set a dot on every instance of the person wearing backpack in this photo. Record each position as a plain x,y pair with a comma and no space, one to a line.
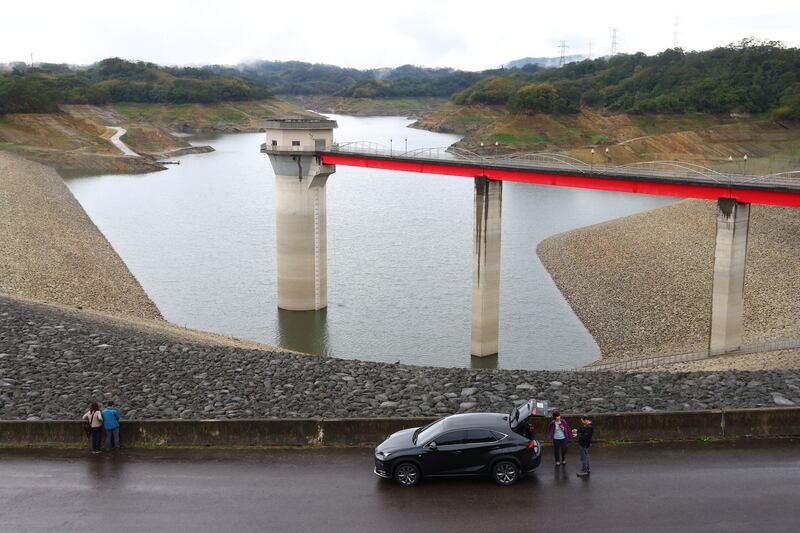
95,422
111,426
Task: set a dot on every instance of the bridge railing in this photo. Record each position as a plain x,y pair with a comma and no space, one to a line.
666,169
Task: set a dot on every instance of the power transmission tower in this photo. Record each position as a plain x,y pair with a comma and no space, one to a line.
614,42
676,33
562,46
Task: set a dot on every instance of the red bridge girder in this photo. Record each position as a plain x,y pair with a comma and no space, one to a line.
660,187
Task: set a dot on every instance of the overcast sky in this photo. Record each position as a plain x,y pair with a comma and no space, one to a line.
465,34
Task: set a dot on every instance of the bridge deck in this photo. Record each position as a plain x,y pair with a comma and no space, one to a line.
664,178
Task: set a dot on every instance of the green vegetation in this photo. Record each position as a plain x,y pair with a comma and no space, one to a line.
747,77
298,78
41,89
507,138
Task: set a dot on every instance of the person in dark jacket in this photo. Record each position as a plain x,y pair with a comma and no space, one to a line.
584,435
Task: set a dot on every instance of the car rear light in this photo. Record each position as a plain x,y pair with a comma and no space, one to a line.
532,444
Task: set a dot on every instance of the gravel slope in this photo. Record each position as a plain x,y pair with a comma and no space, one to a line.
50,250
642,284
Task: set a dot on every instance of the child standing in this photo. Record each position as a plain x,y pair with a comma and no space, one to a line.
584,434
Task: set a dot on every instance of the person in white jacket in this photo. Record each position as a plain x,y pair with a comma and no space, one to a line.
95,419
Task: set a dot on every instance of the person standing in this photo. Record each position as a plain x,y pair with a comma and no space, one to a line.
95,418
558,432
584,435
111,426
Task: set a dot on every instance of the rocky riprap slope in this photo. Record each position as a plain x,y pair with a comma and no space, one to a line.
52,362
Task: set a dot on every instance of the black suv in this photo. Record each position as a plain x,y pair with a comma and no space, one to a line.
467,444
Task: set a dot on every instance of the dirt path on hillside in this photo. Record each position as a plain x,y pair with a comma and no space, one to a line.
51,251
116,141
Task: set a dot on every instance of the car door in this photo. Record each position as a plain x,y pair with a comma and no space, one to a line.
447,457
479,448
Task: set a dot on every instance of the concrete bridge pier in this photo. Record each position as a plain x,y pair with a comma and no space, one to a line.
486,267
733,223
300,210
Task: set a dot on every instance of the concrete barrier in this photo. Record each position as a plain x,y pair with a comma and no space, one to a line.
634,427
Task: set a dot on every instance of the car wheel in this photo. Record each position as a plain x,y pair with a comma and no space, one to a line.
407,474
505,473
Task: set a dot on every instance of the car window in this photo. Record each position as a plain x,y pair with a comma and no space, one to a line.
451,437
477,436
428,432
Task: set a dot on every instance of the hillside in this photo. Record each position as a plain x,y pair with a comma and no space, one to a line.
746,77
42,88
700,138
74,139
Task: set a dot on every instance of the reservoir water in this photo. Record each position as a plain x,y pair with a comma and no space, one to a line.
200,238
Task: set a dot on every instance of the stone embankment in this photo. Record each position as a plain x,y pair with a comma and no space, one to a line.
50,250
642,284
53,362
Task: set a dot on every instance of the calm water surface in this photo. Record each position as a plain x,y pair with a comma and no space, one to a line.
200,238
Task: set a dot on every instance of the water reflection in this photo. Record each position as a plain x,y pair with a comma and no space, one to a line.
490,361
304,331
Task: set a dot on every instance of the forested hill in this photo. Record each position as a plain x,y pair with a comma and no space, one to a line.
298,78
41,89
749,76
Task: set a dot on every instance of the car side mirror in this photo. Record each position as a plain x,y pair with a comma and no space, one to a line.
432,445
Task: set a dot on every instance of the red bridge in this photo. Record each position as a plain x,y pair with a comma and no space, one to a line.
664,178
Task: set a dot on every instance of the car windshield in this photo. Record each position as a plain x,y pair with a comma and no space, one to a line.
428,432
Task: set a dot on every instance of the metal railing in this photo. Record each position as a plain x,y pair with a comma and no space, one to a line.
548,161
648,362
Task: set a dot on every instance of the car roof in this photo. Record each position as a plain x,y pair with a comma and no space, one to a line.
471,420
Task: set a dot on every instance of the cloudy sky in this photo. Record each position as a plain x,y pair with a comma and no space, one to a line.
464,34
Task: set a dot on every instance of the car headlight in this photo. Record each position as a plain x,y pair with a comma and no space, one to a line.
384,455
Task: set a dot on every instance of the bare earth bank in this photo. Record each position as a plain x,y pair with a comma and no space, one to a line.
50,250
642,284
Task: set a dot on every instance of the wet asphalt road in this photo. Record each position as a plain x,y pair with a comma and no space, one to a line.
732,486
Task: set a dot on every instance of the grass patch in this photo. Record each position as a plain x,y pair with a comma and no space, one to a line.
529,138
598,138
227,114
472,118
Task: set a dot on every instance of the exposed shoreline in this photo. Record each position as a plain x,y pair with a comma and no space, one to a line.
642,284
53,252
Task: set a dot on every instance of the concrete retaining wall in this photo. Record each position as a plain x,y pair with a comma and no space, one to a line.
371,431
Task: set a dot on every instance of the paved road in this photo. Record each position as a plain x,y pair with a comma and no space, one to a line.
116,141
739,486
